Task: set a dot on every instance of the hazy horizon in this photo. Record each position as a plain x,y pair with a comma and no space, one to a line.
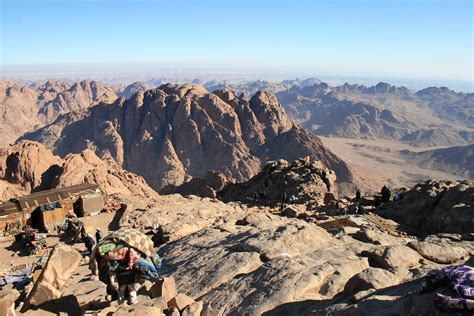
131,73
401,42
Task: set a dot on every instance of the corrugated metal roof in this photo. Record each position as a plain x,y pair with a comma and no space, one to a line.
54,195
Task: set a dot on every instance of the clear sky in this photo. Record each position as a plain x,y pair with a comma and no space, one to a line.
412,38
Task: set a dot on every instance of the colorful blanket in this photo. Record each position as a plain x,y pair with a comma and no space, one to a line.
149,266
132,238
127,249
458,278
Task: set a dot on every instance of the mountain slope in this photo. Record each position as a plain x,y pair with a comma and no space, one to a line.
24,108
458,160
175,131
437,137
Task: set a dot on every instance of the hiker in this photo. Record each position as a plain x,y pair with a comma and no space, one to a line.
73,229
255,196
358,195
397,196
98,235
360,209
87,239
126,283
386,193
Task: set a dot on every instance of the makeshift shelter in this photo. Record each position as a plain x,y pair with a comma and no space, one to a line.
89,204
44,210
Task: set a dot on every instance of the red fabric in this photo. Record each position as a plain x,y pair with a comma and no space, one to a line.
127,256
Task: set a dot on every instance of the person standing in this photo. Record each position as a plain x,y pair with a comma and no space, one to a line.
386,193
98,235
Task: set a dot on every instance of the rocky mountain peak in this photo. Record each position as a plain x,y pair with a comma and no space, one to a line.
185,131
270,113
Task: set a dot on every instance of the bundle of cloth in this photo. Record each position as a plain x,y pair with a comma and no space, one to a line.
22,274
124,260
460,279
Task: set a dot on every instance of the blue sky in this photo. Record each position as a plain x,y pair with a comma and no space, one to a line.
412,38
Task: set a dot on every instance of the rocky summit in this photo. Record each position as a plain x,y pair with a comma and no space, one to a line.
299,182
233,258
184,131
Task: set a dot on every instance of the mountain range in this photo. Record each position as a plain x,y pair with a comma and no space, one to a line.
26,107
383,111
185,131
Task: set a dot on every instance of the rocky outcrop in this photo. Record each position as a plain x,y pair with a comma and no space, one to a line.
439,253
434,207
210,186
86,167
29,166
22,167
23,164
185,131
302,181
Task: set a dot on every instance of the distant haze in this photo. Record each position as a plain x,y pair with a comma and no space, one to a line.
414,43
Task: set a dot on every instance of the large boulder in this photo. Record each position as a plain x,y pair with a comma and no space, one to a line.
377,237
29,166
210,186
392,257
439,253
180,302
61,264
165,288
373,278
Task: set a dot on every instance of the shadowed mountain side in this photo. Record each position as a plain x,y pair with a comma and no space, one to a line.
458,160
